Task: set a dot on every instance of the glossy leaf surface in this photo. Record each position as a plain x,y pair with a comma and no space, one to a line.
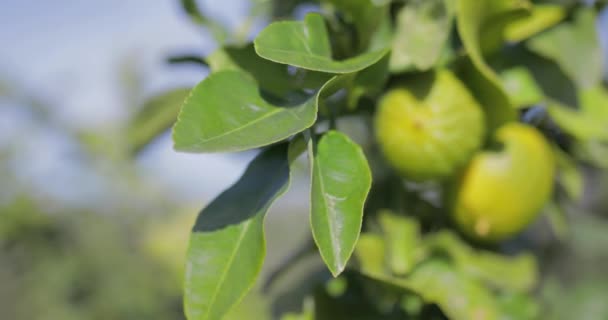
341,180
306,44
275,80
225,112
227,245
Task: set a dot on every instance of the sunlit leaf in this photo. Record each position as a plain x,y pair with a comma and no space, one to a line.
521,87
341,180
306,44
403,243
594,102
459,296
579,124
516,273
225,112
421,32
542,17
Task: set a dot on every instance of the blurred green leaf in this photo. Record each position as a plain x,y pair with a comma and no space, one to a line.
575,47
421,33
446,271
576,283
307,314
341,180
480,25
521,87
542,17
365,15
569,175
156,116
594,102
227,245
519,307
458,296
517,274
402,242
577,124
219,32
306,44
225,112
556,216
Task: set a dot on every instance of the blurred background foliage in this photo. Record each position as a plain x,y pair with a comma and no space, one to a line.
90,230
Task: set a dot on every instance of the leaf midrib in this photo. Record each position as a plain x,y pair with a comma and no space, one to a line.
334,243
229,266
203,141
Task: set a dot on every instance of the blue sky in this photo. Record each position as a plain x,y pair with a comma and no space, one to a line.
68,52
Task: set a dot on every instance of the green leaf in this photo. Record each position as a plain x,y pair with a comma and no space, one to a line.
365,15
517,273
521,87
306,44
580,125
594,102
341,180
557,218
227,245
519,307
588,126
459,296
369,82
225,112
480,25
277,80
575,47
412,45
542,17
156,116
403,241
569,176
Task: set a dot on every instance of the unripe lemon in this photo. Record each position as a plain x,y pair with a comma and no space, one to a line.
427,129
500,193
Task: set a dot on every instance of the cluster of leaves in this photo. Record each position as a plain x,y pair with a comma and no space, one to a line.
288,90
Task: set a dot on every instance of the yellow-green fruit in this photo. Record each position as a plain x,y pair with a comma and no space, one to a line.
427,129
501,192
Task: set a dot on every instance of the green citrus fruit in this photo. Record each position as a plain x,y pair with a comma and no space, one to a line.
501,192
427,129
